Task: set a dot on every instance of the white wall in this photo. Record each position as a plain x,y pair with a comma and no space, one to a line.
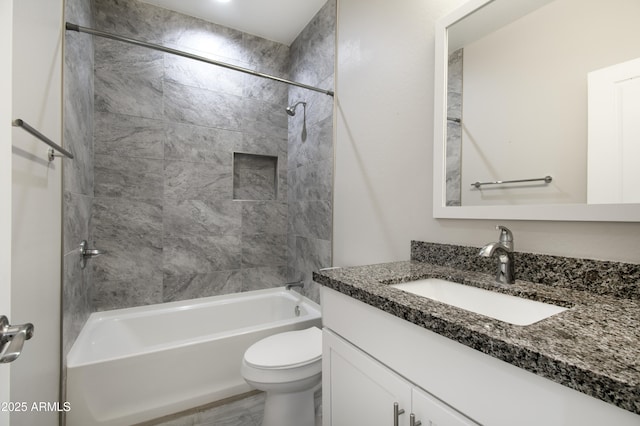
384,137
36,204
6,29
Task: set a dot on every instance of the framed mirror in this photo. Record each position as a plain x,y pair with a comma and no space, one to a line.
537,111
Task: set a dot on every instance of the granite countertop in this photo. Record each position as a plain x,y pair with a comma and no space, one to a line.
593,347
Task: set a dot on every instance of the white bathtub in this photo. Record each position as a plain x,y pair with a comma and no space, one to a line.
137,364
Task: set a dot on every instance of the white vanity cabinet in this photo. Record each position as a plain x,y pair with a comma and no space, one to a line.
358,390
372,359
432,412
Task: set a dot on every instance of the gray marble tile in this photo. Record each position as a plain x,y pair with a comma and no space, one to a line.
268,56
126,260
264,250
189,72
202,38
455,83
125,218
134,178
263,277
126,135
78,117
312,53
201,254
310,151
319,105
197,181
254,184
77,175
200,144
261,144
254,162
453,166
259,117
76,217
266,90
79,12
454,130
192,105
318,145
202,217
311,219
131,18
110,295
268,217
254,177
311,255
313,181
283,181
191,286
129,233
128,79
292,274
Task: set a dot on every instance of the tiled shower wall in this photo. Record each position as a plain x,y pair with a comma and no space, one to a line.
77,173
454,129
166,129
310,169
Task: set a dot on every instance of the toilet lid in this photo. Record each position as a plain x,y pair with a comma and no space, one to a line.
288,349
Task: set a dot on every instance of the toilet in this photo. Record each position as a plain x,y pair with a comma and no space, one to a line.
288,367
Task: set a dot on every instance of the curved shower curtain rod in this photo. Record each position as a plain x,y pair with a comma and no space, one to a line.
74,27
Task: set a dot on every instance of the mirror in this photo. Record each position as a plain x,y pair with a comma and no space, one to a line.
543,92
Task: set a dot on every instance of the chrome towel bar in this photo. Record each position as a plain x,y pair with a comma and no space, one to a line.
21,123
546,179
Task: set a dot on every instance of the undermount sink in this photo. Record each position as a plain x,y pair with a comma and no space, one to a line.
503,307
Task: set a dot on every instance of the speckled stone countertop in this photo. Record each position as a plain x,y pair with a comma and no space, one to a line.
593,347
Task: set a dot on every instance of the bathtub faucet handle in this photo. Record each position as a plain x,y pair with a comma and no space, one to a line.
87,253
289,286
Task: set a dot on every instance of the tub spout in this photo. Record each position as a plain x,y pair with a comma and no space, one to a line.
289,286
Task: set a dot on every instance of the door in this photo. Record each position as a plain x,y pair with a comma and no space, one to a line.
30,206
358,390
614,134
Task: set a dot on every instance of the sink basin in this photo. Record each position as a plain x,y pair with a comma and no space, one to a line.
503,307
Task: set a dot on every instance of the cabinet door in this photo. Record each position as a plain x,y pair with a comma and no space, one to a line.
432,412
357,390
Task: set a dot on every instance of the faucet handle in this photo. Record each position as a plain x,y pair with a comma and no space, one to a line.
506,236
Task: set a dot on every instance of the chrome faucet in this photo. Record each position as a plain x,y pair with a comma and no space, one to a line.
503,249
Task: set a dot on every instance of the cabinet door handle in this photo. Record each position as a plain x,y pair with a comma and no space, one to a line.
396,413
412,420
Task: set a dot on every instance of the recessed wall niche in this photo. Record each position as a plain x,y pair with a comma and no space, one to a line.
254,177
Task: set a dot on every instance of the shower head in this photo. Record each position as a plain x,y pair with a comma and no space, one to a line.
291,110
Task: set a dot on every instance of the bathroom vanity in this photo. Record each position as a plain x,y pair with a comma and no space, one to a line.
449,366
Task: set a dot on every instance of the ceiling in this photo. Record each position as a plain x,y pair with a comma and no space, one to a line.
276,20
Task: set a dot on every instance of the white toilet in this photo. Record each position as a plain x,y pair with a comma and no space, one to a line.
288,367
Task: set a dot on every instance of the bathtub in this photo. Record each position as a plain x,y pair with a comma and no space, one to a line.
137,364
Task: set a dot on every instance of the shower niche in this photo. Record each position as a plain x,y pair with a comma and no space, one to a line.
255,177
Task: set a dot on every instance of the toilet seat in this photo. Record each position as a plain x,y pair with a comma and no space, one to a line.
288,368
286,350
